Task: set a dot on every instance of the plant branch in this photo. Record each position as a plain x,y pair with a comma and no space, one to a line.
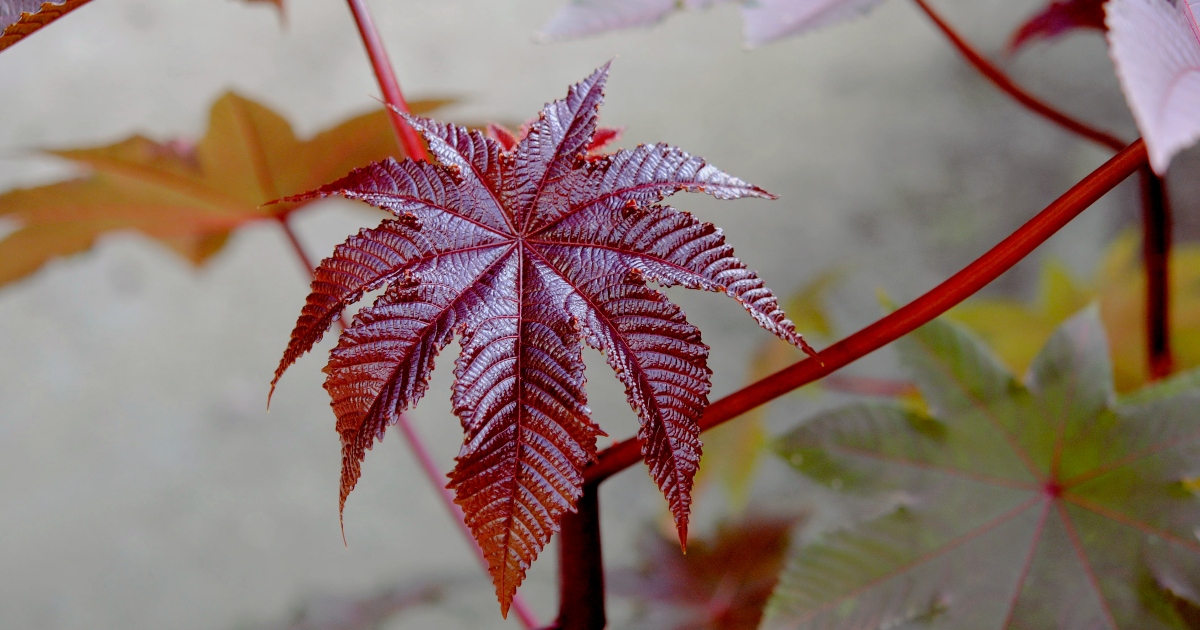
908,318
405,134
425,458
1156,257
1156,210
1001,80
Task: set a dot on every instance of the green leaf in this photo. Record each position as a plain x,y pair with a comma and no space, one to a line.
1047,503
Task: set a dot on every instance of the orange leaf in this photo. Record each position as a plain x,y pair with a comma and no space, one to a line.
188,196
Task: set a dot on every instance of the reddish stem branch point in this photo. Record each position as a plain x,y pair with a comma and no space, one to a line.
908,318
405,135
425,459
1001,80
1156,210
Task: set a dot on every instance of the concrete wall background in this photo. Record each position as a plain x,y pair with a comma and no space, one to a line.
142,484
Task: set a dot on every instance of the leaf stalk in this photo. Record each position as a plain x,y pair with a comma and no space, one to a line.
406,136
1156,211
1005,83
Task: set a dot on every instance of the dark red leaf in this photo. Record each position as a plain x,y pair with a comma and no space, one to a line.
1059,17
526,252
722,583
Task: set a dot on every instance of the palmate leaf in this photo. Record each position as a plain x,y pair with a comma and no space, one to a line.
764,21
527,253
1059,18
1045,504
1155,45
188,196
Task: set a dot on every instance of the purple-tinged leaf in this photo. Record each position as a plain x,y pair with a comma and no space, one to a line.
764,20
526,247
1155,46
581,18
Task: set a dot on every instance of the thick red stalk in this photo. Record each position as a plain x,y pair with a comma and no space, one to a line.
1156,256
908,318
425,459
405,135
581,566
1001,80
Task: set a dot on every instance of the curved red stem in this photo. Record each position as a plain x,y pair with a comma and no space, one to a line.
908,318
405,135
1156,210
1001,80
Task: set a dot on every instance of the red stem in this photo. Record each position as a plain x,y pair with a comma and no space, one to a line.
908,318
405,134
428,466
1001,80
1156,256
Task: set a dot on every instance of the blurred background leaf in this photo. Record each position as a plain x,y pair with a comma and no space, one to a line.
1017,329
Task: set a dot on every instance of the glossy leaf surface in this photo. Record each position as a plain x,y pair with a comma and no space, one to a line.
1048,503
763,20
1059,18
527,253
722,583
189,196
21,18
1018,329
1155,45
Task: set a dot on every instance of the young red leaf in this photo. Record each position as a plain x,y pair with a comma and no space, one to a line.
1155,45
20,18
527,253
1057,18
722,583
764,20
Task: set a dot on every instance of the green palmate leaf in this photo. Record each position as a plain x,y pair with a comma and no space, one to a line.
1048,503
